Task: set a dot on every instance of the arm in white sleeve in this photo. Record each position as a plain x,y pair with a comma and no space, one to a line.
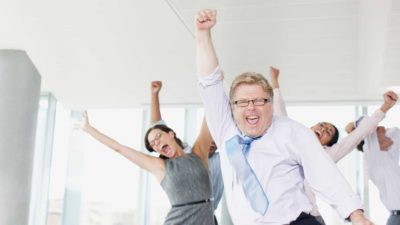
350,142
279,103
217,106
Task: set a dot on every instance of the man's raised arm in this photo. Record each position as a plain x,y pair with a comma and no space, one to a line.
206,57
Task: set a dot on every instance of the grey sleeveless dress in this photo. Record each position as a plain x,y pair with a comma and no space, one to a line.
188,187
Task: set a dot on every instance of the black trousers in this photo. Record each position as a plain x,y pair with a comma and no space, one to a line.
305,219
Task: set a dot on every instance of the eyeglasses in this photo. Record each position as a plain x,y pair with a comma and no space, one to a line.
156,138
256,102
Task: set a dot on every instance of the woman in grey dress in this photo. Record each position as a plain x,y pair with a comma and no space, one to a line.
213,157
184,177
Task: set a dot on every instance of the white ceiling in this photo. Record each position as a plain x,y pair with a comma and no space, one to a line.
103,54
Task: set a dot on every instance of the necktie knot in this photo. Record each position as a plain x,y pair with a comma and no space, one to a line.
246,140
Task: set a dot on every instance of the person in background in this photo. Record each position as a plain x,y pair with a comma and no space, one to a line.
381,151
324,131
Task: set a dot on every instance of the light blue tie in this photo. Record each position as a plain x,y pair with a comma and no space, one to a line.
251,185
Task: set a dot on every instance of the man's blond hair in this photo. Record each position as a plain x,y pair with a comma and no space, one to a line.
251,78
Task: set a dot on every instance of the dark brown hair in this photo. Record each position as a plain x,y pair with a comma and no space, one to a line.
360,146
335,137
165,129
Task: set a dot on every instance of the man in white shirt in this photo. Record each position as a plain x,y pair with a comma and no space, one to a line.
283,153
381,157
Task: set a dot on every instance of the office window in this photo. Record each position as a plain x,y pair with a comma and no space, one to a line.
58,166
42,160
109,182
92,184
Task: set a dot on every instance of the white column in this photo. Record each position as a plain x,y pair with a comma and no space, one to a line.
19,101
42,158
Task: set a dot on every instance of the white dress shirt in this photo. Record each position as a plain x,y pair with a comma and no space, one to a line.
383,167
281,158
341,148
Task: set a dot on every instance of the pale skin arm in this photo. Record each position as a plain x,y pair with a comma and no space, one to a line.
206,56
155,113
202,144
154,165
349,127
390,98
384,142
274,73
278,102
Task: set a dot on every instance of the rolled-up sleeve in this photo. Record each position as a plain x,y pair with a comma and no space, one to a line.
211,79
216,104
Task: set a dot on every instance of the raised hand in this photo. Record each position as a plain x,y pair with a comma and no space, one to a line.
85,121
358,218
155,113
206,19
350,127
156,86
274,73
384,142
390,99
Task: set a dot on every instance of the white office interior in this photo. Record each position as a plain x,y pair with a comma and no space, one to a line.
336,57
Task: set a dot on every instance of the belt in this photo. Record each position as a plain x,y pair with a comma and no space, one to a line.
395,212
192,203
